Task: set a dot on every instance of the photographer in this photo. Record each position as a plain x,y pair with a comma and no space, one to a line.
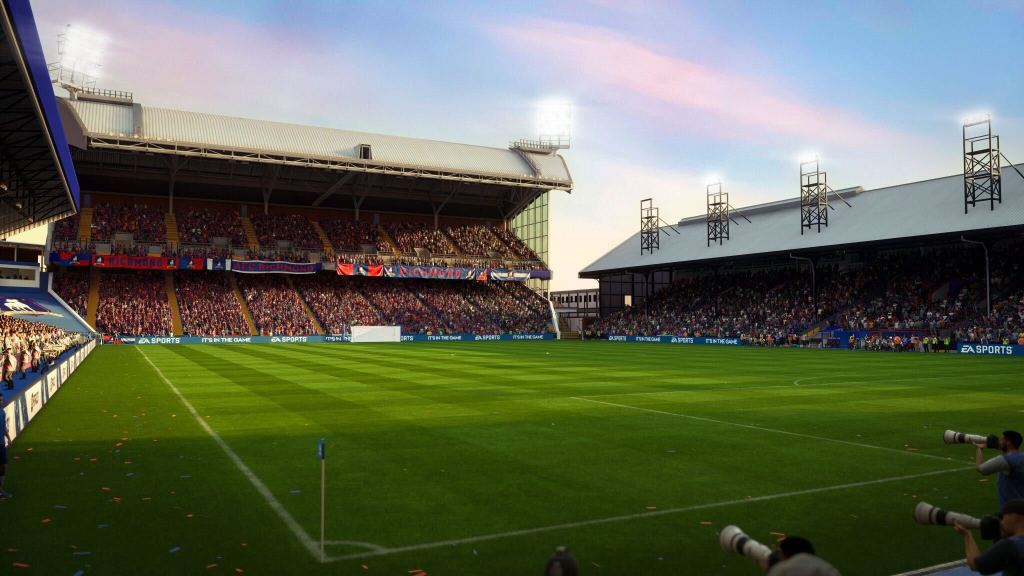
561,563
1006,555
796,558
1009,465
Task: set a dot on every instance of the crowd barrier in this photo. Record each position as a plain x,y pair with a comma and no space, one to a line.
26,404
149,340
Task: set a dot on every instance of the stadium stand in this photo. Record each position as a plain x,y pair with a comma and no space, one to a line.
133,303
73,287
275,307
208,305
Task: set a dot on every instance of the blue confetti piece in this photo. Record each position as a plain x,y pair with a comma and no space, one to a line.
79,573
101,526
295,491
130,474
60,507
175,549
82,553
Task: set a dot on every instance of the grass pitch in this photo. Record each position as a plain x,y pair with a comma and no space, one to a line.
480,458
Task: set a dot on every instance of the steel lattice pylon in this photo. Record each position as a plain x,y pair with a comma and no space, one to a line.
982,178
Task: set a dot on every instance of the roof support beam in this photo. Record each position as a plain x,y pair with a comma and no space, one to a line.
334,189
268,189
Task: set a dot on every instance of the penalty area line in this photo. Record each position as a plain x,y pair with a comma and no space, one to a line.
312,546
636,516
761,428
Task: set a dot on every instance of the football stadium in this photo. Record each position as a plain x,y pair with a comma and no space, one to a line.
247,346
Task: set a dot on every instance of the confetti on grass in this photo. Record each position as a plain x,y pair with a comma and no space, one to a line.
175,550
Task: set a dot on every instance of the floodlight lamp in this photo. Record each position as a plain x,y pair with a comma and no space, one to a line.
82,50
976,117
712,180
806,157
555,118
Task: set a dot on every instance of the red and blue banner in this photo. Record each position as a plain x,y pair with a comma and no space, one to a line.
510,275
147,262
67,258
272,267
409,271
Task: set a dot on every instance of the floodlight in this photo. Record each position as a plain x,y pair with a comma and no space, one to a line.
554,118
806,157
81,51
712,179
976,117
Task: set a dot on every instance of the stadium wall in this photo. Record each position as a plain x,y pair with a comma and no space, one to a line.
27,404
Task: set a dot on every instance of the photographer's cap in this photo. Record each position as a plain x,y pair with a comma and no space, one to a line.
1014,507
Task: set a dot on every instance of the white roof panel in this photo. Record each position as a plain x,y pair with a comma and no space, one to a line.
243,134
905,211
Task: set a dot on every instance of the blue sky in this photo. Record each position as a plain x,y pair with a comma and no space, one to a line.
666,93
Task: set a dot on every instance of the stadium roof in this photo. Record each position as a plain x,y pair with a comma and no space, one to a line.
903,212
119,126
35,163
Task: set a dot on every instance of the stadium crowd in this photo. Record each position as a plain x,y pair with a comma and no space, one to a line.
133,303
30,347
477,241
208,305
925,297
275,307
73,287
411,235
145,223
350,235
338,304
292,228
201,225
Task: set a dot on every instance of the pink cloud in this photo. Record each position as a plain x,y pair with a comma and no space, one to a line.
668,85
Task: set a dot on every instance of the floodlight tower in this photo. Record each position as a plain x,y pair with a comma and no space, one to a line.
650,235
80,52
982,177
813,195
718,213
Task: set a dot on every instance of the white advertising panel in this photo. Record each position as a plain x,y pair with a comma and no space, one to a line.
376,333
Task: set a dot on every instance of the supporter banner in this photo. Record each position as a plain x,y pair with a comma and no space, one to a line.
409,271
540,274
510,275
360,269
678,340
65,258
332,338
272,267
990,349
434,272
25,405
220,264
147,262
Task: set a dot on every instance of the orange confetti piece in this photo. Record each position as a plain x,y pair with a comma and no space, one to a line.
365,567
706,523
117,499
46,520
28,449
239,570
777,534
105,488
146,498
208,566
650,507
21,565
189,515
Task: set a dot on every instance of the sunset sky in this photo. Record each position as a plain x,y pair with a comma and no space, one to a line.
665,93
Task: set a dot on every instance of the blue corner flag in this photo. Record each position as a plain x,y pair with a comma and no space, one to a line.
321,449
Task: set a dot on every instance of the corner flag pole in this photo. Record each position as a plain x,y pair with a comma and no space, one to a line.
321,451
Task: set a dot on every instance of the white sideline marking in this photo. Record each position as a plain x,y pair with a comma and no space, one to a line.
627,517
761,428
312,546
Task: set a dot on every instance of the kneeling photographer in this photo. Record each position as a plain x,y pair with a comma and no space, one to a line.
1007,554
794,556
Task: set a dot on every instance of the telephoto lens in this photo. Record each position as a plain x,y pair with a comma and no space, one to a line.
732,539
928,515
954,437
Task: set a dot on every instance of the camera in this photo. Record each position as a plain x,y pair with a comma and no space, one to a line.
732,539
954,437
928,515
